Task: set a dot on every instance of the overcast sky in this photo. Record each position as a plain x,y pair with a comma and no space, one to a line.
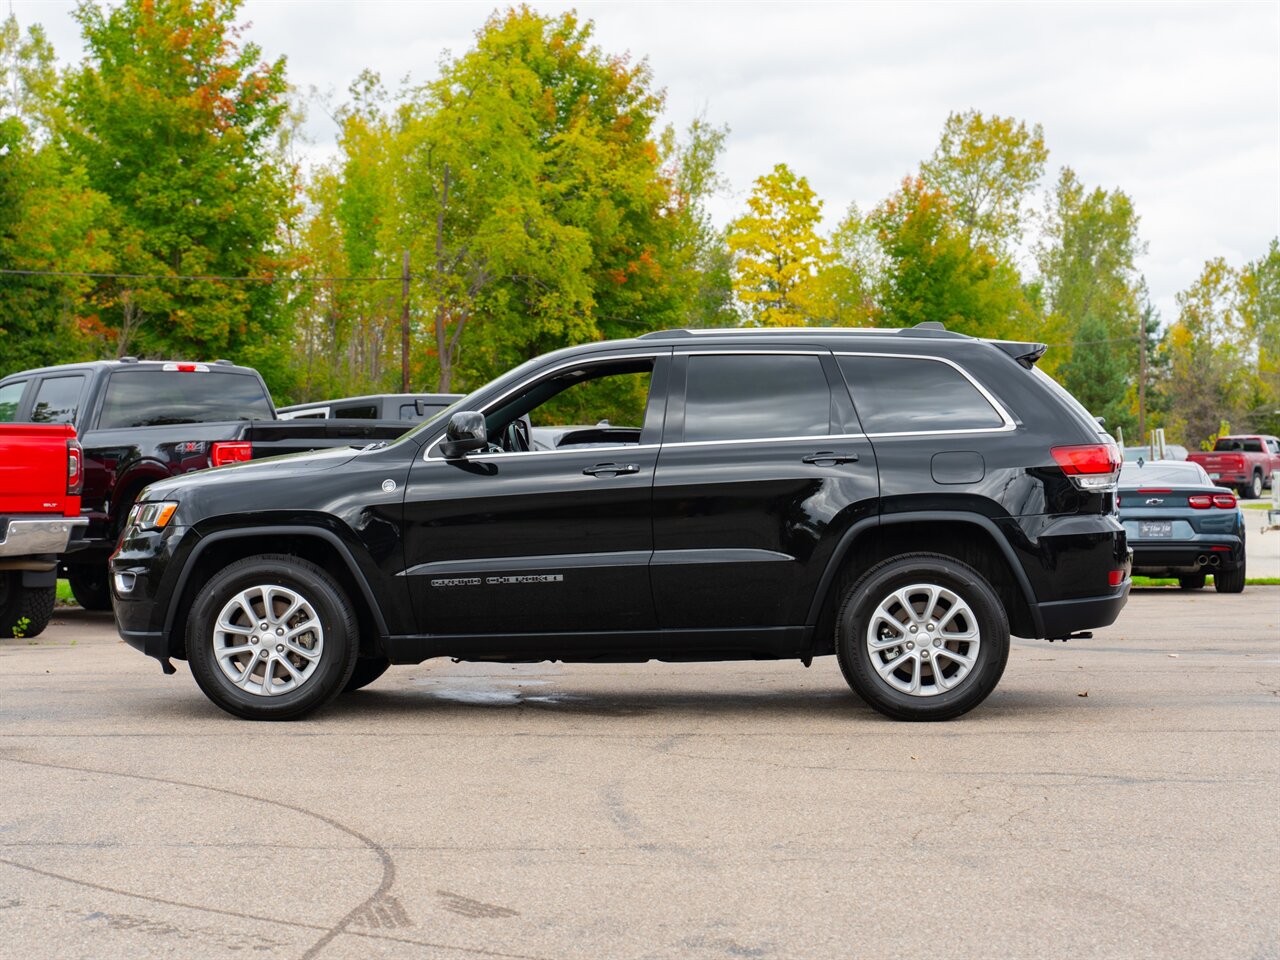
1176,104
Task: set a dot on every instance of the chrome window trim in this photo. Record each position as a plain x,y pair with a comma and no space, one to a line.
543,453
814,437
753,351
1008,422
580,361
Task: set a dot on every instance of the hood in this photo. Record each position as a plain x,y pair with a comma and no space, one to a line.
252,472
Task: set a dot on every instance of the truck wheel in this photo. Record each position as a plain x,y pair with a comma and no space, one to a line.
1229,581
89,586
24,611
368,669
1253,489
271,637
1192,582
922,637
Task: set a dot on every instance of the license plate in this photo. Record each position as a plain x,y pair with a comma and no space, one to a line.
1215,476
1155,528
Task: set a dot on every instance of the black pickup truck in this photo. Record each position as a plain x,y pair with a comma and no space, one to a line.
140,421
903,500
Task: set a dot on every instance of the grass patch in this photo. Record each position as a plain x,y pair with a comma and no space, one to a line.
64,592
1255,504
1173,581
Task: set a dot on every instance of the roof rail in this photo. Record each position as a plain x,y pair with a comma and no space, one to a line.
928,328
660,334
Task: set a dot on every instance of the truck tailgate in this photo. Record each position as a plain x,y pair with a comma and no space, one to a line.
33,469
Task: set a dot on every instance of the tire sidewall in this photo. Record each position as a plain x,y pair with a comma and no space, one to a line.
865,596
336,618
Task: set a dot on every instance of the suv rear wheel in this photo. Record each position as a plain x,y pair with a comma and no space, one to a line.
272,637
922,637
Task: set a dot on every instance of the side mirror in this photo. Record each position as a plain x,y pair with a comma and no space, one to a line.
466,432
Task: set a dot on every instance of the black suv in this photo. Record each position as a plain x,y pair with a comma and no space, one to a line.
901,499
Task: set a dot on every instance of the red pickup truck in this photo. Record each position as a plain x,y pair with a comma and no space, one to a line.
1247,462
41,475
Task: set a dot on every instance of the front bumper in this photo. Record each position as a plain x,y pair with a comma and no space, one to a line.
34,536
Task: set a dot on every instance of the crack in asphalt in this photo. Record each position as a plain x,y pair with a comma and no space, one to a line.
329,933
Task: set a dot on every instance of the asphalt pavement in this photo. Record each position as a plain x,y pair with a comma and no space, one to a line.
1117,797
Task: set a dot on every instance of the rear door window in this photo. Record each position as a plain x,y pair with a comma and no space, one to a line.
148,398
357,411
915,395
756,396
11,399
57,400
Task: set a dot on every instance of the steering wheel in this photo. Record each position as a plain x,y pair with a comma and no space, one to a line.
515,436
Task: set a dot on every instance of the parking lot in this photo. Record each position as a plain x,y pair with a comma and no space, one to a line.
1113,798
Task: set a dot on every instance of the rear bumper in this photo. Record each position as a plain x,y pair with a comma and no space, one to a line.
1185,556
32,536
1061,618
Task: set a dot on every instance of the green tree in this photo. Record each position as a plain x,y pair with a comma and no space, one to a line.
1260,308
778,252
1092,294
849,282
47,216
987,167
934,272
534,198
1210,376
174,120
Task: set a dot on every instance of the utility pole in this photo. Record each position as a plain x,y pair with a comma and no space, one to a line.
1142,382
404,323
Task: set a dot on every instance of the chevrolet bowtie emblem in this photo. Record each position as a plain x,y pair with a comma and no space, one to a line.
1154,502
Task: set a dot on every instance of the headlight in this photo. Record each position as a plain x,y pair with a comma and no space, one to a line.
152,516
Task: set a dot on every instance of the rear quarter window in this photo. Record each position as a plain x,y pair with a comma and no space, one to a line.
915,395
57,400
148,398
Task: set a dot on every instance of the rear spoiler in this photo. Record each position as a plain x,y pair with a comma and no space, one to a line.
1025,353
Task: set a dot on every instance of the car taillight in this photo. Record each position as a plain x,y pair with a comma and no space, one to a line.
1224,501
1091,466
1115,578
75,468
1200,502
231,451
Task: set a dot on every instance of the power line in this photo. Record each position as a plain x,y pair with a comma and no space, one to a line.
187,277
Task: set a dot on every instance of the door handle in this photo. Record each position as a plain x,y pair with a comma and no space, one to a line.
611,469
829,456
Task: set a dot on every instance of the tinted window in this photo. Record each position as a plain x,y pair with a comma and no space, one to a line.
1132,475
145,398
409,411
1253,446
357,411
57,400
899,394
10,397
752,396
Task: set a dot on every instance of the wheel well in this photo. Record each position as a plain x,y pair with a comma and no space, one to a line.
319,551
966,542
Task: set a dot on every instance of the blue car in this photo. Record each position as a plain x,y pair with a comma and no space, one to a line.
1180,524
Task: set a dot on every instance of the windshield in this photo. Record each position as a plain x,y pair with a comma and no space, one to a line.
148,398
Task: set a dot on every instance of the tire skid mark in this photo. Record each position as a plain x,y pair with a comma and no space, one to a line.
369,904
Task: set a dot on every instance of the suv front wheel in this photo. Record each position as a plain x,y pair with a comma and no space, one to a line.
272,637
922,637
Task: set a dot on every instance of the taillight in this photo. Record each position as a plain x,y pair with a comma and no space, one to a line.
1200,502
231,451
75,468
1091,466
1224,501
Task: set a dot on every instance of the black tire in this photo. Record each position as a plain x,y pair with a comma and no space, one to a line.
24,611
1192,581
329,610
89,586
858,606
1253,489
1229,581
368,669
